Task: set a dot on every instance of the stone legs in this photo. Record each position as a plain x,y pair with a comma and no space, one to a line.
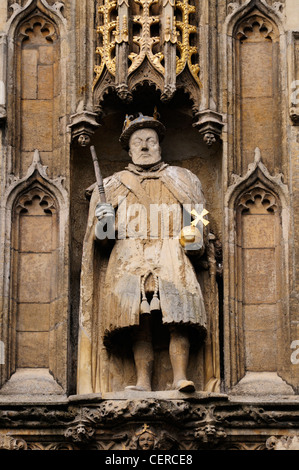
144,357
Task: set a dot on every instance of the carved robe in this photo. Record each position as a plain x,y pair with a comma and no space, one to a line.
111,288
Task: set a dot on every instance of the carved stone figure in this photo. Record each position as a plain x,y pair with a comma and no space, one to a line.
149,271
146,438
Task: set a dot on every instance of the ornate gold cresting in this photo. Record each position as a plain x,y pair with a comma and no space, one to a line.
145,41
121,35
184,47
108,32
176,36
171,34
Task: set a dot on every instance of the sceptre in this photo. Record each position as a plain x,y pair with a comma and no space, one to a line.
98,174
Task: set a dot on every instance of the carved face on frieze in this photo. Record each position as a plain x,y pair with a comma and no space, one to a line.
146,441
144,147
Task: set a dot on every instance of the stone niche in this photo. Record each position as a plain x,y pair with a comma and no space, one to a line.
257,92
182,146
38,92
257,290
34,292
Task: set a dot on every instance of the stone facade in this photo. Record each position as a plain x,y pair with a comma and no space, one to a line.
224,77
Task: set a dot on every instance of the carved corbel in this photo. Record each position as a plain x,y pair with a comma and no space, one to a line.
83,126
209,124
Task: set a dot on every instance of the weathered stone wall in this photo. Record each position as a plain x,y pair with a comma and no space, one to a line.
228,98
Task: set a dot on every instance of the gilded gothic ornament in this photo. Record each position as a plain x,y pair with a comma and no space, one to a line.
145,41
166,42
108,32
184,48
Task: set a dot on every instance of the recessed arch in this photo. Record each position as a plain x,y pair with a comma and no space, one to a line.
257,329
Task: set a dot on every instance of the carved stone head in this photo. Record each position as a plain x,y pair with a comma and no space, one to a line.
144,147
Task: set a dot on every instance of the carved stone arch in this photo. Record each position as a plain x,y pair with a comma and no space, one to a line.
257,330
146,74
261,70
237,13
36,65
255,88
54,13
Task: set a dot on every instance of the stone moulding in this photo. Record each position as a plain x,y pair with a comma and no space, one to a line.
36,167
294,74
238,181
207,422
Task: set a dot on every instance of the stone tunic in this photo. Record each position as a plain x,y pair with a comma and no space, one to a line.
153,245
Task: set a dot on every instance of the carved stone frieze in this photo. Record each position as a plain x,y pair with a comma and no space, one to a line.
150,424
283,443
82,428
10,443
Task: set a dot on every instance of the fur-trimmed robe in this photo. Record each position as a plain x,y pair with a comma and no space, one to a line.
111,288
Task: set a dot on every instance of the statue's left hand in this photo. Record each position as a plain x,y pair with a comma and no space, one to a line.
191,240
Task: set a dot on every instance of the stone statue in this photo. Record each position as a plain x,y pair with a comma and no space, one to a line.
147,271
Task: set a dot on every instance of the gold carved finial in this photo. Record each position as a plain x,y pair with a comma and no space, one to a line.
146,41
109,28
145,429
186,51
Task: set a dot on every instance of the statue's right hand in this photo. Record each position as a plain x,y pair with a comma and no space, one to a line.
105,226
104,210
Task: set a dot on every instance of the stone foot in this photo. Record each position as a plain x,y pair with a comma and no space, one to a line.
185,386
